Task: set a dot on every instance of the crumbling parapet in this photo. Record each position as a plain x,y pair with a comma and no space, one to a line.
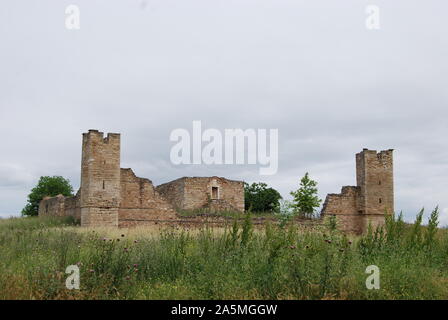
373,197
212,193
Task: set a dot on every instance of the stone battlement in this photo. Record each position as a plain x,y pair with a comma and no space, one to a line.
112,196
373,197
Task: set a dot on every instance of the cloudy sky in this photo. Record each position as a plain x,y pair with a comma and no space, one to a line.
309,68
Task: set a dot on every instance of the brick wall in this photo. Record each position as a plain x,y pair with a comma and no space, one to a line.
100,179
60,206
356,207
140,202
190,193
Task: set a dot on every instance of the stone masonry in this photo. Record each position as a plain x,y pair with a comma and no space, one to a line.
211,193
112,196
371,199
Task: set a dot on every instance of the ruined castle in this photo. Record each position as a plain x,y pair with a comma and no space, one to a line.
371,199
112,196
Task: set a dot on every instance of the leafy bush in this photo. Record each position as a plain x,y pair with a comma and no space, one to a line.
259,198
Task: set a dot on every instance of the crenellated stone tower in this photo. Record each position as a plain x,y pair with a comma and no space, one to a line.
371,199
100,179
374,177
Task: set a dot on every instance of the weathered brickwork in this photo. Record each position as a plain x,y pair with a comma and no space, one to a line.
141,203
100,179
112,196
60,206
212,193
373,197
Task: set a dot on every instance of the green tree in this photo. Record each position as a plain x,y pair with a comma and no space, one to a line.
46,187
305,199
259,198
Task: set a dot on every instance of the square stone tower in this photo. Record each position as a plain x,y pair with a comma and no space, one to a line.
100,179
374,177
373,196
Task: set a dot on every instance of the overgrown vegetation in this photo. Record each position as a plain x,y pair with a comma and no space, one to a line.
259,198
280,261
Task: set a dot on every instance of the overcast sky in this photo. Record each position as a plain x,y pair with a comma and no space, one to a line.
309,68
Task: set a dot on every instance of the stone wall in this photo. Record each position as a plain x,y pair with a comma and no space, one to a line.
375,178
100,179
345,207
371,199
215,193
173,192
140,202
52,206
60,206
111,196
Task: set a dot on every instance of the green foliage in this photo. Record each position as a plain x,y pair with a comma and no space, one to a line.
259,198
46,187
332,223
416,236
305,199
247,231
242,262
432,227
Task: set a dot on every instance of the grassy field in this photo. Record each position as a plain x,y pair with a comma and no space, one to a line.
238,262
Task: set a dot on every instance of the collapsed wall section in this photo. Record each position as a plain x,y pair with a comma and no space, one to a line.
60,206
344,206
173,192
140,202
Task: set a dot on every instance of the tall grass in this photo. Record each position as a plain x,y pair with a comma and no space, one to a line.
281,261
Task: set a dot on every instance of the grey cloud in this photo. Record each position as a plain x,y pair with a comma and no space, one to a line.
310,69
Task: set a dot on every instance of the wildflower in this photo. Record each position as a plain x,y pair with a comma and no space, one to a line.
292,247
135,265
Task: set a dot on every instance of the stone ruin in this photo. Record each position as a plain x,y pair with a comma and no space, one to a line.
366,203
112,196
